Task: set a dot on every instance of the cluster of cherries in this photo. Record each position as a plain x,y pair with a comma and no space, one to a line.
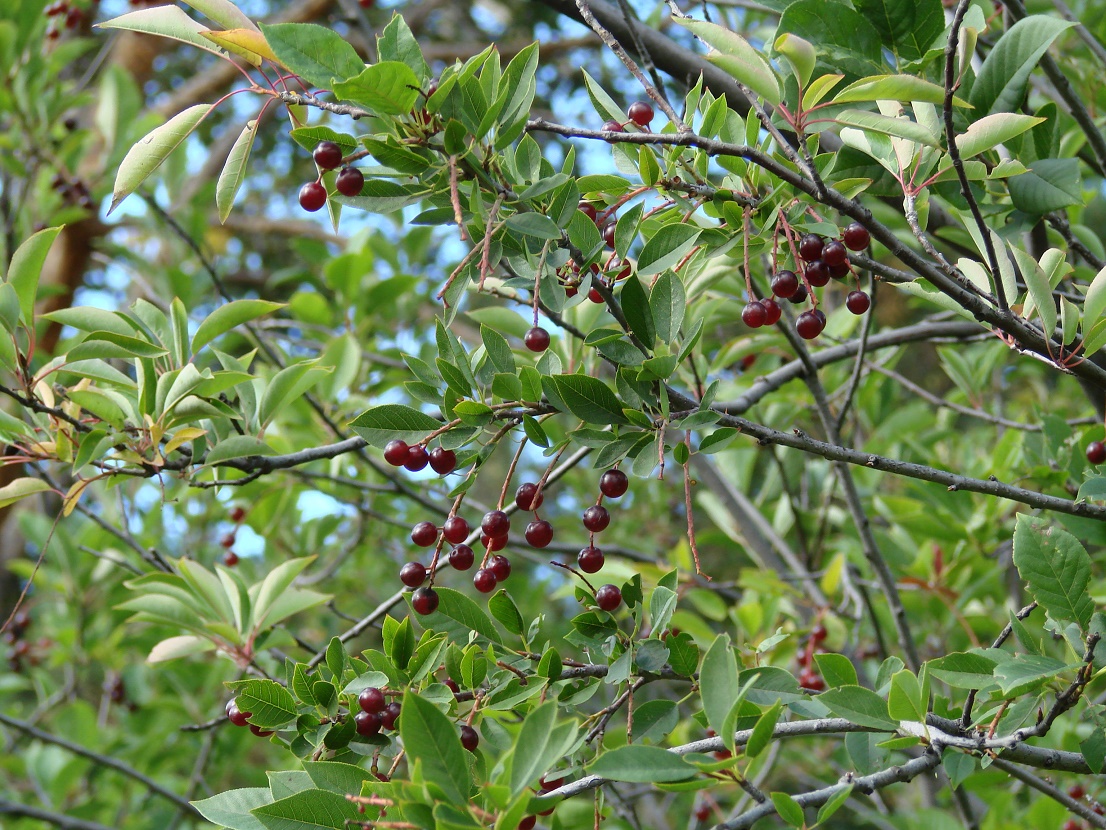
73,191
641,114
809,678
1077,792
823,261
239,718
231,558
495,528
20,647
62,13
328,156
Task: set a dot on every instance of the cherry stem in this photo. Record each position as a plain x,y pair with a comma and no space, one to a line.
511,472
572,570
687,507
745,253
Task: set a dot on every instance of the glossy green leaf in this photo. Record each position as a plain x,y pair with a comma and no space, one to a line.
1001,82
308,810
270,705
234,171
148,154
642,765
859,705
588,398
315,53
26,268
431,739
1056,567
733,53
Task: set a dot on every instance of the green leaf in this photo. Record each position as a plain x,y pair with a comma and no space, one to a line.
666,248
963,670
1050,184
234,171
1001,81
315,53
1095,302
276,584
270,705
993,130
589,399
173,648
232,809
337,777
388,88
223,12
858,705
287,385
1056,567
26,268
894,88
1026,672
909,27
21,488
89,318
397,43
535,748
308,810
148,154
456,606
430,739
1094,750
836,669
504,609
229,316
237,446
642,765
381,424
1040,292
733,53
718,685
800,53
683,654
907,700
534,224
898,127
789,809
166,21
845,39
635,305
762,732
668,302
841,796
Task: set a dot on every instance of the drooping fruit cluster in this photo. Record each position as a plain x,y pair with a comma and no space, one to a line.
62,13
376,713
349,182
414,457
21,649
822,261
809,678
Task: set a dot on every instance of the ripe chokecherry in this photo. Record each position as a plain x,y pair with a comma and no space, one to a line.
613,484
528,498
839,272
1076,791
1072,824
785,284
527,823
227,541
261,733
424,534
612,127
231,559
539,533
443,461
608,233
390,715
799,297
537,339
596,297
772,312
350,182
1096,452
395,453
236,715
817,273
754,315
424,601
484,580
451,684
455,530
462,557
608,597
496,524
588,209
810,247
312,196
372,700
493,544
597,518
641,113
238,514
367,723
820,316
327,155
590,559
811,680
856,237
417,458
835,253
500,566
808,325
413,574
818,634
858,302
470,738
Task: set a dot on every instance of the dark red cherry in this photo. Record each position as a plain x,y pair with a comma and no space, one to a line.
368,723
808,325
395,453
817,273
261,733
754,315
641,113
587,209
839,272
856,237
390,715
488,543
608,597
818,634
470,739
608,233
772,312
484,580
1096,452
327,155
350,182
537,339
442,461
785,284
614,484
539,533
231,559
413,574
455,530
424,534
500,566
525,497
857,302
597,518
590,559
596,297
236,715
810,247
810,680
799,297
417,458
424,601
496,524
371,700
312,196
462,557
612,127
527,823
835,253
